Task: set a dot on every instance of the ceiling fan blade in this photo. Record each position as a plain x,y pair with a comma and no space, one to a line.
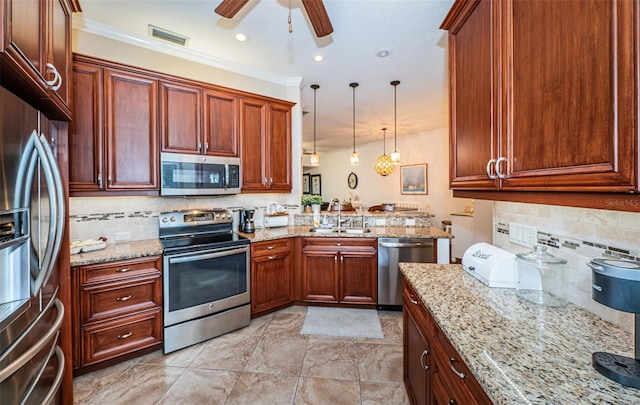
229,8
318,17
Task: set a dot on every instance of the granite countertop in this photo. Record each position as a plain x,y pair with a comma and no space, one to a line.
118,251
376,232
151,247
522,353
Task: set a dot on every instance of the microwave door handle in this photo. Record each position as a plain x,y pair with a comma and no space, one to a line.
226,177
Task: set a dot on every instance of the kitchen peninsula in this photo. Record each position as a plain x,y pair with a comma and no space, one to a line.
517,351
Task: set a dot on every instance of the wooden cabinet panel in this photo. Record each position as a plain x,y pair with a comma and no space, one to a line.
221,123
279,157
86,136
253,144
180,117
339,270
416,359
271,266
108,340
117,311
358,279
473,119
37,43
131,131
543,95
100,302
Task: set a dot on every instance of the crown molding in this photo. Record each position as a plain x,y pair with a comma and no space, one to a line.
92,27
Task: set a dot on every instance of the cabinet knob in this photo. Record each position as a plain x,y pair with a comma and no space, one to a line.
99,180
452,402
57,78
206,147
270,247
413,299
271,257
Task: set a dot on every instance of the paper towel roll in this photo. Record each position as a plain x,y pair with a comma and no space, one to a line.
275,221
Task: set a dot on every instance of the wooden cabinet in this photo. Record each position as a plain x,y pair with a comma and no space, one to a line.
265,139
543,95
36,54
434,373
117,311
271,286
198,120
339,270
114,137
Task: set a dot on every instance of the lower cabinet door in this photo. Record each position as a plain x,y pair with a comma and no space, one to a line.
270,282
110,339
358,278
416,362
320,276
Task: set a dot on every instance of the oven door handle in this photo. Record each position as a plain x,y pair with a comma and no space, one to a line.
191,257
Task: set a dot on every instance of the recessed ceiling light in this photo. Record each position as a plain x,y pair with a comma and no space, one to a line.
383,53
242,37
318,58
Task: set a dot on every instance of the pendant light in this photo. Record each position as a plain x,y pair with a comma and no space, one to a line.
355,157
315,158
383,164
395,156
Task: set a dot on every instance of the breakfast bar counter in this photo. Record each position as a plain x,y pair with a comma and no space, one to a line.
519,352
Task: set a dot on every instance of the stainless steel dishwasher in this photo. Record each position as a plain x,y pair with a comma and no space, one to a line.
392,251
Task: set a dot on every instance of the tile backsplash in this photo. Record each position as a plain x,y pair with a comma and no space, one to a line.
578,235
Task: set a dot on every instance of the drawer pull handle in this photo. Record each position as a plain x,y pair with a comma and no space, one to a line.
451,361
424,353
270,247
338,244
123,270
271,257
413,299
126,298
452,402
126,335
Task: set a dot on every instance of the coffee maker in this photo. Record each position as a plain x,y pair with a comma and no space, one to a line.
246,220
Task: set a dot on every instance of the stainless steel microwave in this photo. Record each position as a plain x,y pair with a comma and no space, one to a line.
187,175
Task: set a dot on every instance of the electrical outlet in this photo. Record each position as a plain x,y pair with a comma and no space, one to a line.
523,235
380,222
122,236
410,222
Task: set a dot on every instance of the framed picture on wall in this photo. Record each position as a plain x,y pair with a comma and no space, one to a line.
306,183
413,179
316,185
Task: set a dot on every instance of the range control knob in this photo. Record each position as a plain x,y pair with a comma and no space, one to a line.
165,220
172,219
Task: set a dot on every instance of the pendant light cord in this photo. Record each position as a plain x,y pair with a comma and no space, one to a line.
353,85
314,87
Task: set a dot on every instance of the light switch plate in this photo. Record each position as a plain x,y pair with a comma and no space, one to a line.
523,235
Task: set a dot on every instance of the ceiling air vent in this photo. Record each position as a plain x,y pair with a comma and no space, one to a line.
167,35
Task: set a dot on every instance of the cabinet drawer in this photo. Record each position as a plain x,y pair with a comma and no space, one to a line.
111,339
270,247
455,375
412,303
104,301
113,271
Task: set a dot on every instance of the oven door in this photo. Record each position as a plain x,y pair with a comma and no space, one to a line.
205,282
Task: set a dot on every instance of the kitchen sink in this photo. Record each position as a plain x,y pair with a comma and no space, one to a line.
340,230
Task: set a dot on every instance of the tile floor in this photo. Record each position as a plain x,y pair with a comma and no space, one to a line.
268,362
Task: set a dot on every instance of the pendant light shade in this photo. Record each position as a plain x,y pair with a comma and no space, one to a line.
395,156
355,157
383,164
314,158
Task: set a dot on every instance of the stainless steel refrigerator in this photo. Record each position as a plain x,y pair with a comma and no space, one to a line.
32,212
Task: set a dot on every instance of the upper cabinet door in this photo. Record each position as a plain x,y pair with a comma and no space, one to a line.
253,118
131,131
474,142
221,121
36,54
279,147
180,115
571,95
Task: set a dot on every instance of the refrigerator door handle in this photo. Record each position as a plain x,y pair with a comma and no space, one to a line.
25,357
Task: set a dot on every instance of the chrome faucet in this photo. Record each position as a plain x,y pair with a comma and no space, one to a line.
339,210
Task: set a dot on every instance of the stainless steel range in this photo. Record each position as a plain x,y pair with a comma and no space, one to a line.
205,275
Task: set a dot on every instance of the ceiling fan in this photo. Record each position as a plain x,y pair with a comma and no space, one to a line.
315,10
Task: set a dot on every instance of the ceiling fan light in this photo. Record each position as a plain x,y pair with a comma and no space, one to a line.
242,37
395,157
354,158
314,159
318,58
